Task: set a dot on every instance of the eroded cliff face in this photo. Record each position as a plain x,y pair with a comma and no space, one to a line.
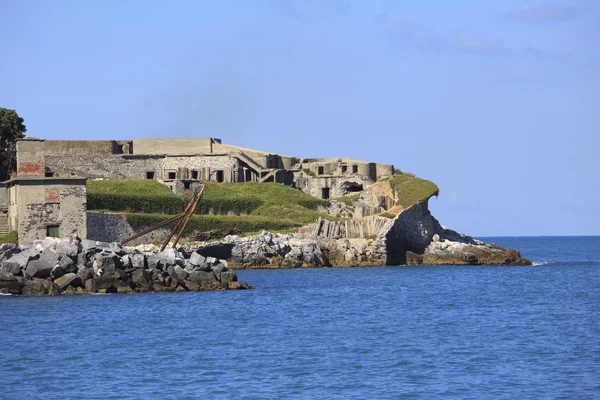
414,236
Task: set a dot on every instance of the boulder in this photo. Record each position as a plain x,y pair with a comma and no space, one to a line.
168,256
83,259
196,259
228,276
105,283
14,265
7,276
69,279
88,245
117,248
40,287
202,276
138,260
106,263
57,272
85,273
38,269
11,287
141,278
126,261
181,273
67,264
67,248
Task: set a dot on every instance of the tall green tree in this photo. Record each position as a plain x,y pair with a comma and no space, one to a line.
11,129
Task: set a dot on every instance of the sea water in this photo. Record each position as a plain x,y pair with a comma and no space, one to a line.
347,333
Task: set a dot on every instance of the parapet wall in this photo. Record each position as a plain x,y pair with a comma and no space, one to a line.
82,147
182,146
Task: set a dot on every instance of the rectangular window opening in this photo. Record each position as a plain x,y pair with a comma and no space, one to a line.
321,170
325,193
344,169
171,175
194,174
150,175
52,231
355,169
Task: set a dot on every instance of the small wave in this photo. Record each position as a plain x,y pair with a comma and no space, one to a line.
5,294
566,263
536,263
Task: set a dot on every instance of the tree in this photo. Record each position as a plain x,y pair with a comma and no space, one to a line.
11,129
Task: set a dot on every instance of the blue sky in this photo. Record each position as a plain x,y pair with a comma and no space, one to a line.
496,101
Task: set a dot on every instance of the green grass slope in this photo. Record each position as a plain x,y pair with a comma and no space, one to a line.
411,189
262,205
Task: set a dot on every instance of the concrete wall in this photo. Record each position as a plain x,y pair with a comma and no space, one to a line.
338,185
136,166
83,147
184,146
113,227
30,157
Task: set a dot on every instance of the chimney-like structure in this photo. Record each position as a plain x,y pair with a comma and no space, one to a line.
30,158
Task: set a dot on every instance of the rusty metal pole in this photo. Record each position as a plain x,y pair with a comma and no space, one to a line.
152,228
187,209
189,216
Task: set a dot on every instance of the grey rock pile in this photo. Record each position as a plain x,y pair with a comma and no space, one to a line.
275,250
54,267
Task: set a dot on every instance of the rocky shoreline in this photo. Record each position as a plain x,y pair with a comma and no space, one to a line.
55,267
268,250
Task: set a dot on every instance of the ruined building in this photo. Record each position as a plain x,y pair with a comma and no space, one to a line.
183,163
47,197
37,204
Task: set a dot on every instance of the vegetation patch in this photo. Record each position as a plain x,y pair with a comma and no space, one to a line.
349,199
411,190
222,223
11,237
264,200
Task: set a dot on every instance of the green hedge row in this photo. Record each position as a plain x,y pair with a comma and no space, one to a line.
223,223
169,204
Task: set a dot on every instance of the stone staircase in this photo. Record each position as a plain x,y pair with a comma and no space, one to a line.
250,161
3,225
267,176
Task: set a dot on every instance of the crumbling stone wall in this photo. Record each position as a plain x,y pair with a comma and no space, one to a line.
338,186
58,204
136,167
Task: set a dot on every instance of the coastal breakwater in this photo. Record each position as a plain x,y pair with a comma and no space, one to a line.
54,267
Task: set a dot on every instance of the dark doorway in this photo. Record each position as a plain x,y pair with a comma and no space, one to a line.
321,170
325,193
355,169
248,176
344,169
220,176
194,174
186,185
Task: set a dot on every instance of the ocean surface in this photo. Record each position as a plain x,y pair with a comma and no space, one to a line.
350,333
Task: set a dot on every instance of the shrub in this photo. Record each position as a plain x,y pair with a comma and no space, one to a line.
11,237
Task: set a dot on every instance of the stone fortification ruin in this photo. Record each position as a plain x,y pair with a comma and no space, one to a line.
183,163
47,198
